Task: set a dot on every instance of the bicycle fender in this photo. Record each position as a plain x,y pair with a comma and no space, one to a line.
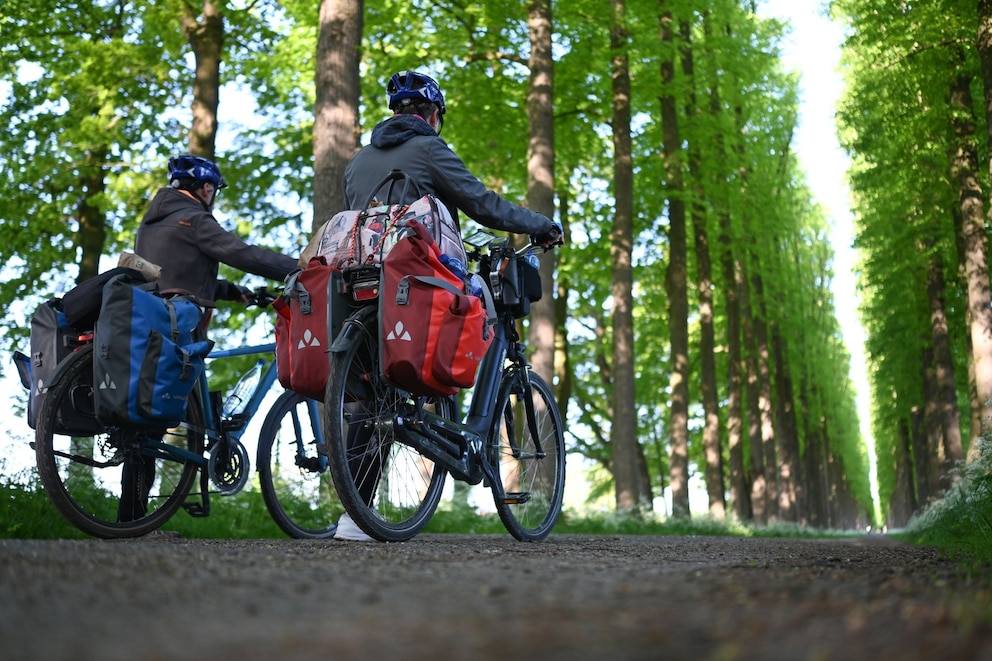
351,330
59,372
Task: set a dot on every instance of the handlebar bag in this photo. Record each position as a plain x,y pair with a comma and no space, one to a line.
148,354
305,313
433,335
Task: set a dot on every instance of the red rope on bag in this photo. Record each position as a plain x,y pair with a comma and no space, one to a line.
392,223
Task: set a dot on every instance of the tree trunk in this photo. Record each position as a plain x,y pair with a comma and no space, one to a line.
740,494
676,275
759,485
964,170
92,220
713,455
946,390
541,179
205,35
338,84
787,435
765,402
624,422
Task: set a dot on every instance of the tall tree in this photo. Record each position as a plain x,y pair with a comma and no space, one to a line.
541,176
623,434
712,452
205,33
338,89
676,280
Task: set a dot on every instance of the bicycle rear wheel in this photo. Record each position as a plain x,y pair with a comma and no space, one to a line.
111,481
527,450
296,484
389,489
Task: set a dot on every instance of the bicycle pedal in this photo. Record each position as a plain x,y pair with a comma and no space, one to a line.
196,510
516,498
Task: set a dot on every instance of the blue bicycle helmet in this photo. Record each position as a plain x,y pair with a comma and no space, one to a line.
196,168
408,86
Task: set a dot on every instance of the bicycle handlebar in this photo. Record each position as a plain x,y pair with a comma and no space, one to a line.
262,297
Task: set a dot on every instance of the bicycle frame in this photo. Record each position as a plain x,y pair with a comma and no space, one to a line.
458,446
239,422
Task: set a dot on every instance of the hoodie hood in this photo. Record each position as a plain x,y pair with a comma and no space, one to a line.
398,129
167,202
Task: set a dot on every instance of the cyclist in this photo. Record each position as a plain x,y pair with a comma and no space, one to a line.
410,141
180,234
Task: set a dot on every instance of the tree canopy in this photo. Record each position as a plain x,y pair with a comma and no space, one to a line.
730,267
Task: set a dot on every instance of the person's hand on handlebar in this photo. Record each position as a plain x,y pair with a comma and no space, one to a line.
553,237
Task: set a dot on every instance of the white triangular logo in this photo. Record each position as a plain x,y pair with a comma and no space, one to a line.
399,333
309,340
107,383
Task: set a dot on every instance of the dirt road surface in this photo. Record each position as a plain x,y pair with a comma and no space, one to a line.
489,597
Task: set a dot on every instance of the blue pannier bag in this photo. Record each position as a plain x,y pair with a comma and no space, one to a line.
148,355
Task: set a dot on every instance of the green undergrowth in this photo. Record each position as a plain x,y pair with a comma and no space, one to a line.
26,513
960,522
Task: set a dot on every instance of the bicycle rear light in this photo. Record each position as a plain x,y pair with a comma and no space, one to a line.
367,290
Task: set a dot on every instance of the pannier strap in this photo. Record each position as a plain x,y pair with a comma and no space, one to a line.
295,289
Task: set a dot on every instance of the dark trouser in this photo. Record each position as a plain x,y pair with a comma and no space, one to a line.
137,477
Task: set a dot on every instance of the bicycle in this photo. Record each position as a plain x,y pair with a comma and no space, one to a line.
87,467
390,451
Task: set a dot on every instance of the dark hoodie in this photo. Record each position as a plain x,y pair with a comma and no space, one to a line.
179,235
408,143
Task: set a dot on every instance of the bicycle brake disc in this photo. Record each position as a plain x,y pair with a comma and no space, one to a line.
228,468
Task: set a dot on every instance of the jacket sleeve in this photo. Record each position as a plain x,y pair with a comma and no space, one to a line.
228,248
456,185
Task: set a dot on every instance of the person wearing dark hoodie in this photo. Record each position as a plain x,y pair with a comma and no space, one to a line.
180,234
410,141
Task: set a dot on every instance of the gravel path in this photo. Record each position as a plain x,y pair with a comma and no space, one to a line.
488,597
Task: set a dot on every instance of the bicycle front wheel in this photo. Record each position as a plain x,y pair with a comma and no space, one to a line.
296,484
111,481
389,489
527,451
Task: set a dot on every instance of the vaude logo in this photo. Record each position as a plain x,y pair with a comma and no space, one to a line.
308,340
399,333
107,383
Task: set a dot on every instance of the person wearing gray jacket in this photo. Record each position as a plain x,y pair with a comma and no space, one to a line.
180,234
410,141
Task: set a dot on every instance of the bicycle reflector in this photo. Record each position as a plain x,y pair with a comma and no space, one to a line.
365,290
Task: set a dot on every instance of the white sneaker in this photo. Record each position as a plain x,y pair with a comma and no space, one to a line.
348,530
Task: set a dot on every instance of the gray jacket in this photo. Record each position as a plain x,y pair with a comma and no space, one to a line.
179,235
408,143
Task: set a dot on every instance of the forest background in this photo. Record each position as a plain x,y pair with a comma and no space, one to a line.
693,328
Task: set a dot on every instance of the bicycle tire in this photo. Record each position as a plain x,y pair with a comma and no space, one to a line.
87,468
533,483
296,484
389,489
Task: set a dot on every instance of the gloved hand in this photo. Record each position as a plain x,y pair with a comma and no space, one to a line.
228,291
243,294
553,237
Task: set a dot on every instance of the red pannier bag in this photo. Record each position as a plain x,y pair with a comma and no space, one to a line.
302,338
432,334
